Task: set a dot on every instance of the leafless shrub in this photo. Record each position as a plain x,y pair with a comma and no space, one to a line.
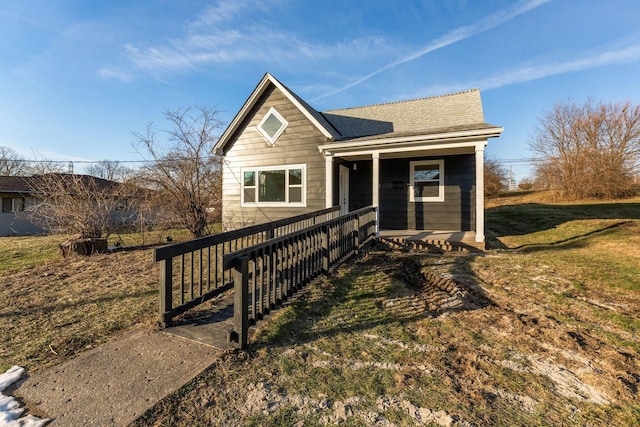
526,184
495,178
81,205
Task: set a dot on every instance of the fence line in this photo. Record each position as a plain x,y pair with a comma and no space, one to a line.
268,273
192,272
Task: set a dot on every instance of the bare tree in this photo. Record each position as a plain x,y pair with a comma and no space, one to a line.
589,150
80,204
495,178
111,170
41,166
11,164
184,169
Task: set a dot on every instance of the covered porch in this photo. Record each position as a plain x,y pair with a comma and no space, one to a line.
382,171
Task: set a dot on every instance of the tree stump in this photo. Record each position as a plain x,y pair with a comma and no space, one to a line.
85,247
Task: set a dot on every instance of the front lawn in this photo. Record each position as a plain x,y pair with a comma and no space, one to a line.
541,330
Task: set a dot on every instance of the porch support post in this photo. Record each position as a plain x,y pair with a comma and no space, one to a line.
480,191
328,159
375,179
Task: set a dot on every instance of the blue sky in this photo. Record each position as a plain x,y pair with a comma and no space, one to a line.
77,77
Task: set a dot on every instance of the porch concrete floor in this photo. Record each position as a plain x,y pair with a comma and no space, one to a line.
462,238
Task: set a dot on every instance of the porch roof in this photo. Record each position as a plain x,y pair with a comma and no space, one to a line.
446,141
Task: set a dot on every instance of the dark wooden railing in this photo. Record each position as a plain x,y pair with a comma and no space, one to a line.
266,274
192,272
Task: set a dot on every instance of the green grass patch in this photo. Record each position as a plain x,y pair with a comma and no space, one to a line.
25,252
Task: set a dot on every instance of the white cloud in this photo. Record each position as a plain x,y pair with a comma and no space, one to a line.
228,32
449,38
254,43
114,74
590,60
224,11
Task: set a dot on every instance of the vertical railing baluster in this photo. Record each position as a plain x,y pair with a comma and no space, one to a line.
191,275
182,290
241,301
166,291
253,291
200,269
274,275
208,268
325,248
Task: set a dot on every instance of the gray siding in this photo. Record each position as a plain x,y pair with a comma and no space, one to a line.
360,184
248,148
16,223
456,213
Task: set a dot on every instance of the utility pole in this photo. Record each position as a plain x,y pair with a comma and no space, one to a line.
512,181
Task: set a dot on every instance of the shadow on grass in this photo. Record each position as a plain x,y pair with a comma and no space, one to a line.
377,289
522,219
574,242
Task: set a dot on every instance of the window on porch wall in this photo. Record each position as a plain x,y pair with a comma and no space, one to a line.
427,181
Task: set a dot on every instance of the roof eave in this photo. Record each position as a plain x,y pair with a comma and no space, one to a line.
426,139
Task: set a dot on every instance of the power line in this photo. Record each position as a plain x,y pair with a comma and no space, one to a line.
81,161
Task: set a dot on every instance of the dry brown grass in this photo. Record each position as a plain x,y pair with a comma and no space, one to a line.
59,308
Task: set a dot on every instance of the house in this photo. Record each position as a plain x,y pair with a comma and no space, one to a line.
19,193
419,161
16,194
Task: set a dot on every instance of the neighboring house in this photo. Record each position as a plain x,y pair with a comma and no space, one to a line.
420,161
18,193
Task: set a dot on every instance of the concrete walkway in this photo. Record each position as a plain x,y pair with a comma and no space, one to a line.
114,384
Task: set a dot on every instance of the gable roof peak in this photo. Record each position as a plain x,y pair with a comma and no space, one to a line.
268,79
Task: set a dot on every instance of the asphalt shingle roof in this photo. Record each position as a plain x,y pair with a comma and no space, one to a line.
462,110
24,184
14,184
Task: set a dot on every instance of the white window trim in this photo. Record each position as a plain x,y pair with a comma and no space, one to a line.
286,203
440,197
280,131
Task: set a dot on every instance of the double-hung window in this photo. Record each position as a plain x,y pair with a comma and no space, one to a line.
427,181
274,186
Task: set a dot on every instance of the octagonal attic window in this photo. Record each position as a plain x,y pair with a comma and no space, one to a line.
272,125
